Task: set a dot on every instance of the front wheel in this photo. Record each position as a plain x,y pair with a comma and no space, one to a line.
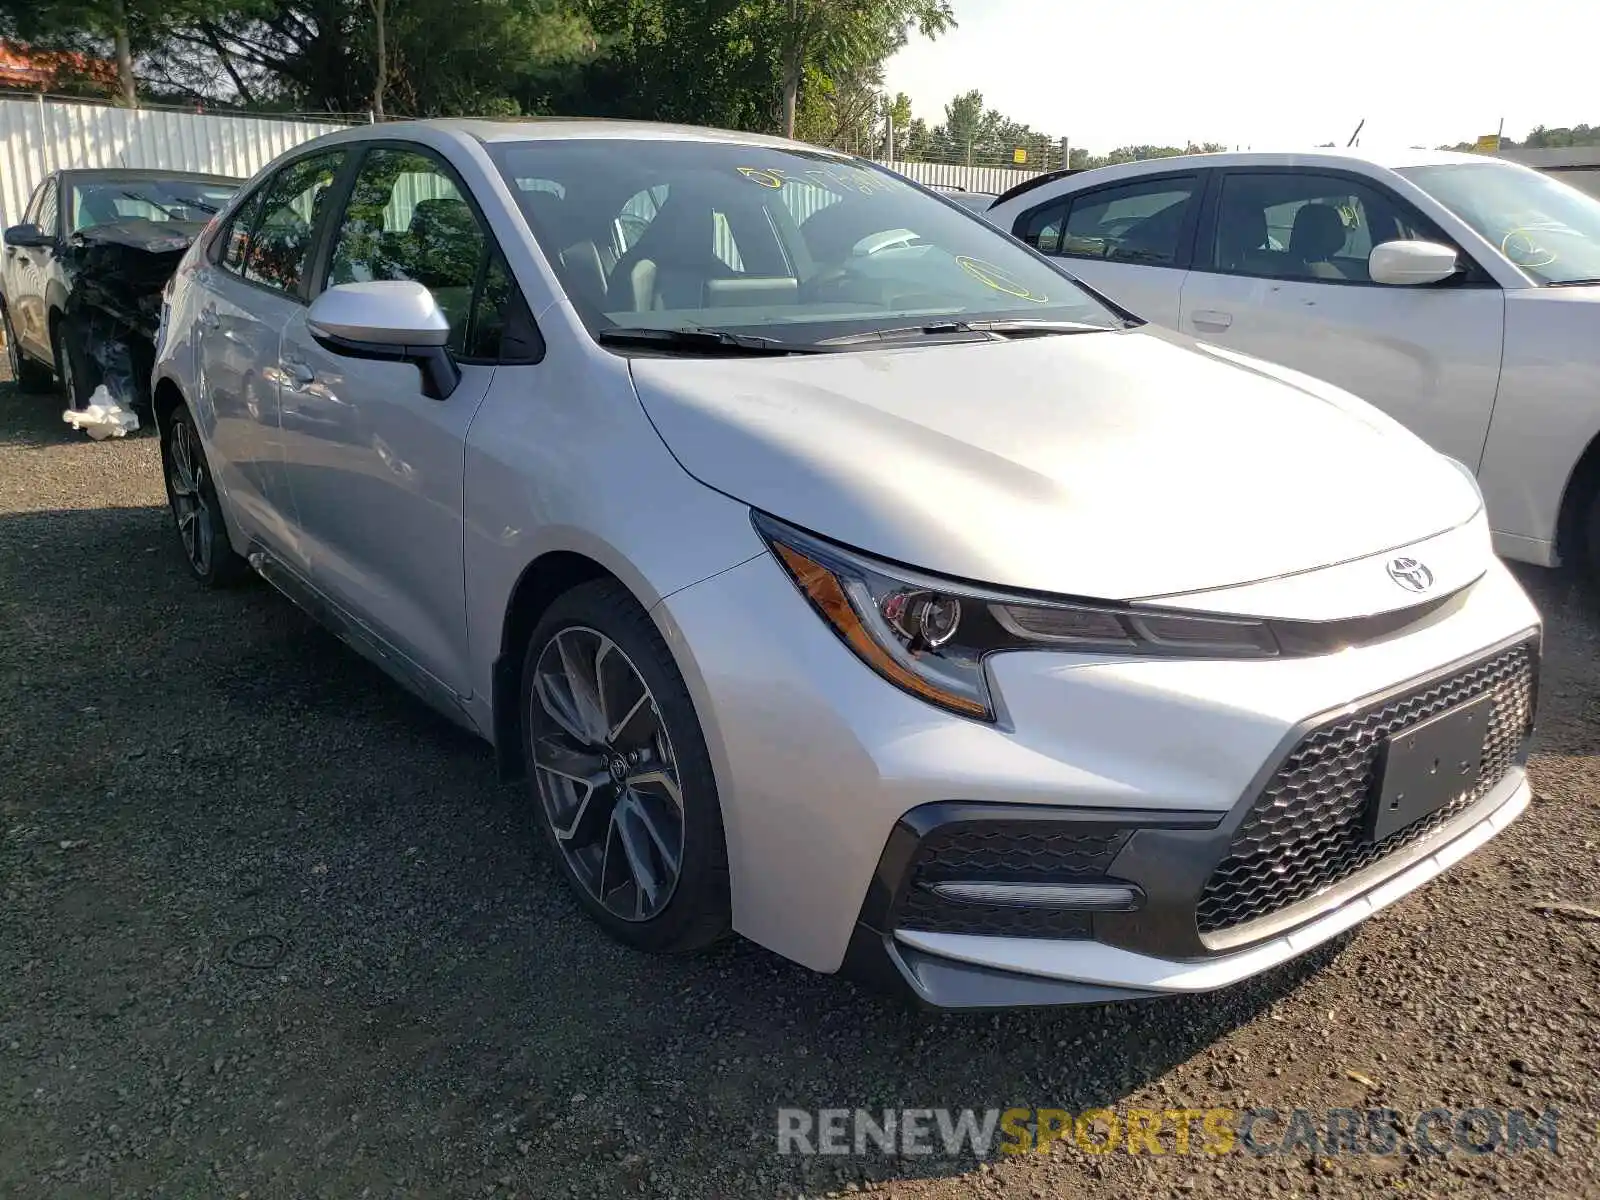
620,773
76,371
196,508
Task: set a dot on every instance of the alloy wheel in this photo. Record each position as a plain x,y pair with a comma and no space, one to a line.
191,497
606,773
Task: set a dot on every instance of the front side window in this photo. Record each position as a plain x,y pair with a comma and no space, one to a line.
1140,222
684,234
49,211
1306,225
106,202
408,219
280,240
30,215
1548,228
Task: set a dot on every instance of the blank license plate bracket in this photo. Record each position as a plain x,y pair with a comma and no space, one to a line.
1426,766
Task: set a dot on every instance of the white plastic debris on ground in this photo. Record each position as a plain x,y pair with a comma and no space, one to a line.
103,417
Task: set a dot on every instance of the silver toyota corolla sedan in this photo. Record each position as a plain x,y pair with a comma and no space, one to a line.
838,571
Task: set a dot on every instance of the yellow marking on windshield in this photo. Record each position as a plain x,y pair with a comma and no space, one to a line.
767,179
1527,250
992,276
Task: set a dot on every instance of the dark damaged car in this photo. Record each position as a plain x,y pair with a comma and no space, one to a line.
82,274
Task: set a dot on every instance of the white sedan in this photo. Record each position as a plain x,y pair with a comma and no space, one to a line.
1461,294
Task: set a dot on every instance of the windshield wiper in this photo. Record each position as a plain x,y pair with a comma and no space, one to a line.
191,202
1574,282
701,341
143,199
998,328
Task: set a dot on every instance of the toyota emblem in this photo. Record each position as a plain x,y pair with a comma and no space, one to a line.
1410,574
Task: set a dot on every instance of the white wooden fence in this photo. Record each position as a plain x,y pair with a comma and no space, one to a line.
38,136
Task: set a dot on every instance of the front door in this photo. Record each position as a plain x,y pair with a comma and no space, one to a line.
1281,273
375,466
28,270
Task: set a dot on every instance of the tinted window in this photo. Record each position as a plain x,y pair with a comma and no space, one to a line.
407,219
1139,222
1042,227
1304,225
679,233
280,242
1548,228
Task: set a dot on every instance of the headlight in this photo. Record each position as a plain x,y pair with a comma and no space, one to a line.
929,636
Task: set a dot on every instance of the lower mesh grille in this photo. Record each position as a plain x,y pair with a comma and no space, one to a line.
1008,852
1305,832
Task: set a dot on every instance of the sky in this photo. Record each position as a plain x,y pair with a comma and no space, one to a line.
1262,73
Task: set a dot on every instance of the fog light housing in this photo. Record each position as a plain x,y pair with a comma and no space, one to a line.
1076,897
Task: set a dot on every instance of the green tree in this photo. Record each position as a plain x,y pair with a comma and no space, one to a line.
838,36
118,29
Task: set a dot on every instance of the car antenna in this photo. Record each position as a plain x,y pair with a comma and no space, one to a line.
1356,134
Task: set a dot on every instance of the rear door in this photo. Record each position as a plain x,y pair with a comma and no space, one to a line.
256,284
1130,240
376,467
1280,272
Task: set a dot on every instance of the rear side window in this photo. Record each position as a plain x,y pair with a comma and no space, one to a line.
280,242
1041,228
1139,222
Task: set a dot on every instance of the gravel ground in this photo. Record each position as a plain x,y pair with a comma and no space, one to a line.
270,928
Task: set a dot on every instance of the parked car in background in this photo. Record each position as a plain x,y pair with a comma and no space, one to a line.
976,201
892,601
82,273
1458,293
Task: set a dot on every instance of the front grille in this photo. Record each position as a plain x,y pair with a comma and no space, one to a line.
1004,852
1305,831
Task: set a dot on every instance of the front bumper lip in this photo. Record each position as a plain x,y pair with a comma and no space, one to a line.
965,970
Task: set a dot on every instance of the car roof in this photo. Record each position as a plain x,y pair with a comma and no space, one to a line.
1386,159
113,174
524,129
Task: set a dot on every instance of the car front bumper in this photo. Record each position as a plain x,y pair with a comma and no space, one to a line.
1132,771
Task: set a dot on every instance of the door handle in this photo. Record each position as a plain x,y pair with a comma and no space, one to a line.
1212,320
299,373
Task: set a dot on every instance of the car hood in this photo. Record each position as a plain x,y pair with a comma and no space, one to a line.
1114,465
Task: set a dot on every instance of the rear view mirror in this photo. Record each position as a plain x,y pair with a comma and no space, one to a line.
27,237
387,320
1404,263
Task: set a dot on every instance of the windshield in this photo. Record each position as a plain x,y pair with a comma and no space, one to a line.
1550,230
107,201
678,234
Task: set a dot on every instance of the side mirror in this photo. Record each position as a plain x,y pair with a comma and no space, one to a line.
387,321
1404,263
26,237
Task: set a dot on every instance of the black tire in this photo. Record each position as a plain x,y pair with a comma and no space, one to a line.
26,375
76,373
696,912
196,507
